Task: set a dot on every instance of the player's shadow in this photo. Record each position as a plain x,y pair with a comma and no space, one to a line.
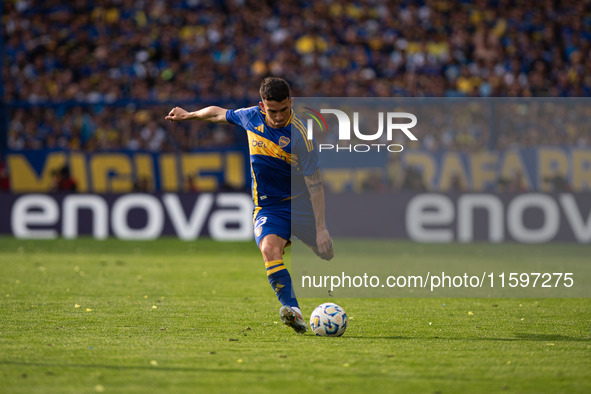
123,367
364,337
517,337
549,337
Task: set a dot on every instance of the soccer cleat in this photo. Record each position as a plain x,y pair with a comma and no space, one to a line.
292,316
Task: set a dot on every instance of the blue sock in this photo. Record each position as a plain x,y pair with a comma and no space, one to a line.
280,281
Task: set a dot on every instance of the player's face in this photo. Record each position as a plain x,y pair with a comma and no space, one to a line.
278,112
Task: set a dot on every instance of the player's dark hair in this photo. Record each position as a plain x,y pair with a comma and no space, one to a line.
274,89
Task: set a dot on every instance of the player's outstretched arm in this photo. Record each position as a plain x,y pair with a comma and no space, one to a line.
209,114
323,241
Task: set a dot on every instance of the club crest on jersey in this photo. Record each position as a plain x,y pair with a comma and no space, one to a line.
283,141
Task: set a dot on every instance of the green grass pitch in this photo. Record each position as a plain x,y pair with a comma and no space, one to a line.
87,316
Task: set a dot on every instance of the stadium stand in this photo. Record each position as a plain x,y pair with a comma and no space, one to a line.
99,75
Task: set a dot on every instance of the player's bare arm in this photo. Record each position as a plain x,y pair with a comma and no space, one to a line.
209,114
323,240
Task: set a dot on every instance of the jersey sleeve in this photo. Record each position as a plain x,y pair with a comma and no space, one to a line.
240,117
306,151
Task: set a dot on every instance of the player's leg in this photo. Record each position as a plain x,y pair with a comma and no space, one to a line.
304,227
272,234
272,247
324,256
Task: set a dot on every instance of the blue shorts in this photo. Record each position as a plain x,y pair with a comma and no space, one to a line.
295,217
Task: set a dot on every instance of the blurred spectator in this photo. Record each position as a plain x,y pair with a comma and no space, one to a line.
558,183
191,184
374,182
142,185
395,172
63,181
456,184
413,180
152,136
515,184
4,179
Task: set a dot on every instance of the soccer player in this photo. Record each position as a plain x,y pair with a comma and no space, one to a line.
277,142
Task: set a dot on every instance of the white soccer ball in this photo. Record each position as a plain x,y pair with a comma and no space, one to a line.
328,320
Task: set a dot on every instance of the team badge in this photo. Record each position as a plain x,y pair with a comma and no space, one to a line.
258,225
283,141
258,231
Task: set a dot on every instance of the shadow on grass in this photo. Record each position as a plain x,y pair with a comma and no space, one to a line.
549,338
517,338
524,337
125,367
368,337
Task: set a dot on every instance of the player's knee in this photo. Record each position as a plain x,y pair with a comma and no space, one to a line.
271,250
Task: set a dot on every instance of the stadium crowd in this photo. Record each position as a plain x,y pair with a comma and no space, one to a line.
99,75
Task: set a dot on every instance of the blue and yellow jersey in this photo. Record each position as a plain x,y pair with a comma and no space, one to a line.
273,154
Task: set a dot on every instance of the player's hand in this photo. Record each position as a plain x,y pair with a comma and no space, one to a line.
177,114
324,244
